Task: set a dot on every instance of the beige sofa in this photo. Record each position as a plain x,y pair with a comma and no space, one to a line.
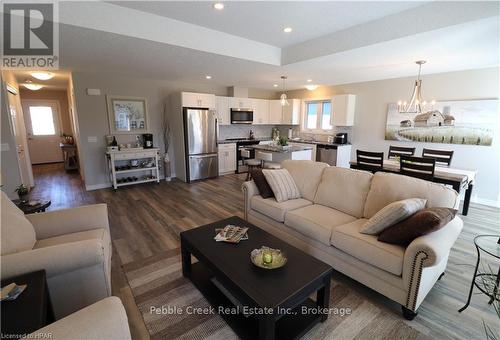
104,320
326,221
72,245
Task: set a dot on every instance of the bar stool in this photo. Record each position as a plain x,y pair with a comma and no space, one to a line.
250,163
267,163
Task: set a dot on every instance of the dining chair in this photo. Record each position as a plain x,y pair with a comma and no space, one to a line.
397,151
370,161
441,156
420,167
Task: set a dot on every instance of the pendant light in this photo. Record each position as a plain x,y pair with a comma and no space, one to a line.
416,104
283,98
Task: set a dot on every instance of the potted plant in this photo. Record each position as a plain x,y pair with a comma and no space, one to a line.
166,143
22,192
283,142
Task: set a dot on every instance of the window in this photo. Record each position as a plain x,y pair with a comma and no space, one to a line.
318,115
42,121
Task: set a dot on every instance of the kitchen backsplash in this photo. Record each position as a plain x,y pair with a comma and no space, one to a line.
319,137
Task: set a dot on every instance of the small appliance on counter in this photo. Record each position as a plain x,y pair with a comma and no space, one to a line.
147,140
340,138
290,133
251,135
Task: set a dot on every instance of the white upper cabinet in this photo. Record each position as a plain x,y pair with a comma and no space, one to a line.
291,113
202,100
241,103
222,110
260,111
275,112
343,110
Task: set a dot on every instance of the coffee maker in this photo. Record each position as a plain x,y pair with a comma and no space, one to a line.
340,138
147,140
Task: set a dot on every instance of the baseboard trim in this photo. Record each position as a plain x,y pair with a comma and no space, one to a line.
487,202
92,187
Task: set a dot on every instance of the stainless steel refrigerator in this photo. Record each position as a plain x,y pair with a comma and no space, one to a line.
200,134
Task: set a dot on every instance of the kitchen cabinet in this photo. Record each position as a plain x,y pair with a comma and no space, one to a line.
227,158
222,110
275,112
260,111
343,110
241,103
291,113
202,100
314,148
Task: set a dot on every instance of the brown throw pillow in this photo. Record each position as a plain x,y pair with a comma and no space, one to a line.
421,223
261,183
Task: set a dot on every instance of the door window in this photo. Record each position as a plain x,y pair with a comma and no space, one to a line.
42,121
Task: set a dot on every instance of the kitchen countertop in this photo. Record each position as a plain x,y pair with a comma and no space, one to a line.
290,148
227,141
317,142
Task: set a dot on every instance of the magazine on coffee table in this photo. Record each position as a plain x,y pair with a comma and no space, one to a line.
231,234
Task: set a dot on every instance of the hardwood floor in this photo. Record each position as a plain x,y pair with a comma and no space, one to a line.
147,219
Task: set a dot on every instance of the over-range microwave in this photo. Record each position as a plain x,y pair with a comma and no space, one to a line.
241,116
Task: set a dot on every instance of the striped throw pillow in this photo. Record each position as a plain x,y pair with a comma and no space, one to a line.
282,184
392,214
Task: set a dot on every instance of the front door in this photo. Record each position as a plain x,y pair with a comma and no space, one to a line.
43,130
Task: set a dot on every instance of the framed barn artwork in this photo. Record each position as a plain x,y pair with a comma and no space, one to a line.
472,122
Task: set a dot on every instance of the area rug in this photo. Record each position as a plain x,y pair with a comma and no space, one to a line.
157,285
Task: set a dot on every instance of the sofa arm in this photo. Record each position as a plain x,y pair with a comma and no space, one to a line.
105,319
430,249
249,190
55,260
72,220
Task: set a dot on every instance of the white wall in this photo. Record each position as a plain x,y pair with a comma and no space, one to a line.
373,97
93,117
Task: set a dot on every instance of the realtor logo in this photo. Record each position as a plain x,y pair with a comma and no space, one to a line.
30,36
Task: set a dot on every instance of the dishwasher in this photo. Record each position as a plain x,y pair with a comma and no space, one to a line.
327,154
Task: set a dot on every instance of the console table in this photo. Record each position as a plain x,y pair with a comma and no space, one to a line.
133,166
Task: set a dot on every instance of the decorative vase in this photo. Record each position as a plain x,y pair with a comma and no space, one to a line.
166,167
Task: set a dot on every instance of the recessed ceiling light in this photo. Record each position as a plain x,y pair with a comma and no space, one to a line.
275,85
309,80
32,86
287,29
42,75
219,5
208,77
311,87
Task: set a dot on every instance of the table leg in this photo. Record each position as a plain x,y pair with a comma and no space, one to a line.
473,282
468,193
323,297
495,289
266,327
186,260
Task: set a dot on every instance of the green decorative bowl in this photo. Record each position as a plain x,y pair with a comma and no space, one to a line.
275,258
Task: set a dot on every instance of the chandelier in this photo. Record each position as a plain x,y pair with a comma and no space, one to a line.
416,104
283,98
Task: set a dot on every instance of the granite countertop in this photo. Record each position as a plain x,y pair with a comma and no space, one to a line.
287,149
317,142
227,141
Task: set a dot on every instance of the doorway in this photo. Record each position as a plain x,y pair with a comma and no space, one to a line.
43,128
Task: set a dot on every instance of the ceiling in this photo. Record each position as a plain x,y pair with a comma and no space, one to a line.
264,21
244,45
60,81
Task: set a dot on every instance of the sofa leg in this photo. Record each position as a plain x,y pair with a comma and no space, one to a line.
408,314
441,276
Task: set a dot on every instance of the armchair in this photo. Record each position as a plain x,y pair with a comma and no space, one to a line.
72,245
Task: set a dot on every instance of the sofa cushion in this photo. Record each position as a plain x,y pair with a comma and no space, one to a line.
388,257
261,182
344,189
387,188
99,234
392,214
306,174
316,221
282,184
271,208
17,232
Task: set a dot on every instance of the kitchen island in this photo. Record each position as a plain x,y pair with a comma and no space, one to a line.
278,154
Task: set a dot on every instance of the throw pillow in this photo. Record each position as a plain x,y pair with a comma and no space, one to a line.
282,184
391,214
261,183
421,223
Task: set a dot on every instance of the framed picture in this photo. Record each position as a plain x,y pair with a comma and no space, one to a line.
127,115
469,122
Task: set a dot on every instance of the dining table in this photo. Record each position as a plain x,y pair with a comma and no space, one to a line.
460,179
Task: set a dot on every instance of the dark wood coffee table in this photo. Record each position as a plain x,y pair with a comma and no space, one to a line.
277,300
